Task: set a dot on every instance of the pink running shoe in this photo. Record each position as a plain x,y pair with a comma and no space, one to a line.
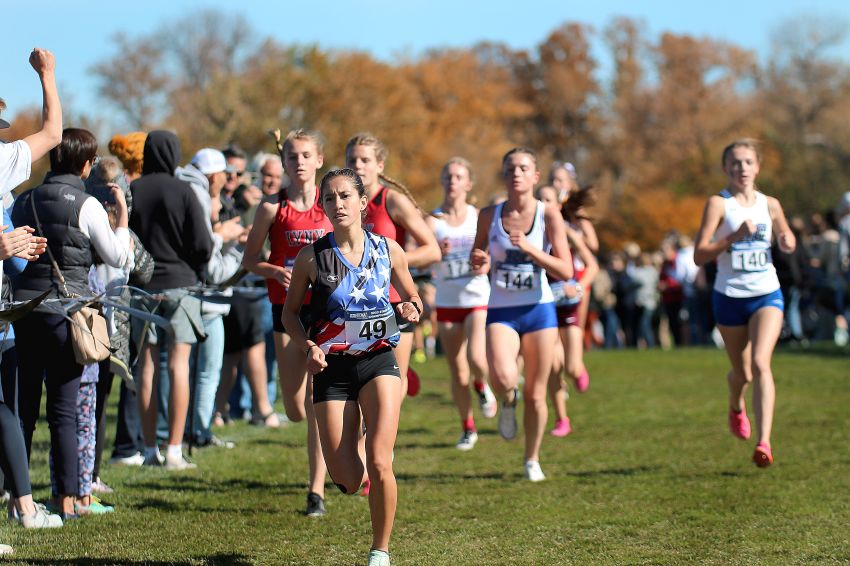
763,457
366,486
583,381
562,428
739,424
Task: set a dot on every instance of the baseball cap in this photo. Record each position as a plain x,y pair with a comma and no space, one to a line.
209,161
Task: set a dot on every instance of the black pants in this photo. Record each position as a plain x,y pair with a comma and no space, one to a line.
128,432
45,356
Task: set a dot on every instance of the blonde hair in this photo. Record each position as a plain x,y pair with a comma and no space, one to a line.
749,143
381,155
302,134
463,162
108,169
130,149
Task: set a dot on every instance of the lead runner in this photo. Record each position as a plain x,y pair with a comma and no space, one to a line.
349,351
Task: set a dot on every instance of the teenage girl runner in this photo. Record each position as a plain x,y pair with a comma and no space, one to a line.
512,243
568,299
292,219
392,214
349,351
462,297
736,230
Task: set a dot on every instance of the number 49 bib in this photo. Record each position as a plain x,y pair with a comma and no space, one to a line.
370,326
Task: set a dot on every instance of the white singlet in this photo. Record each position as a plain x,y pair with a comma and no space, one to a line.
746,268
515,280
456,286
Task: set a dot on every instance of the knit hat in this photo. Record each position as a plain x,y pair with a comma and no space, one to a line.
129,148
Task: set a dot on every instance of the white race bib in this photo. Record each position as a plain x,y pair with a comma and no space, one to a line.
751,260
513,277
370,326
455,267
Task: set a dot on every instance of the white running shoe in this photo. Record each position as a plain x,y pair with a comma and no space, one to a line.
487,402
136,459
41,519
533,471
178,464
5,549
507,418
467,440
379,558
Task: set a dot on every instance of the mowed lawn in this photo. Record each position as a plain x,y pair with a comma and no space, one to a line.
650,475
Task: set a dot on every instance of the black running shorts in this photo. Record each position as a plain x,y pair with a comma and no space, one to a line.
346,374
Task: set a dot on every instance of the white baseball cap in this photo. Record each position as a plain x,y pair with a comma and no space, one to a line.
209,161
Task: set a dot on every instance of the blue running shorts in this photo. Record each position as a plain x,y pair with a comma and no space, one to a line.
525,318
733,311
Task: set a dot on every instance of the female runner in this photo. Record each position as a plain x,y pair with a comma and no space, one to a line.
736,230
512,243
349,352
461,298
569,296
394,215
292,219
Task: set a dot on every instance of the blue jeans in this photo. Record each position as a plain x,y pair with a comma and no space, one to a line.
208,377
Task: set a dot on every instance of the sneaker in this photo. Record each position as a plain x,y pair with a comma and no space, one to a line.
379,558
467,440
762,456
413,383
583,381
739,424
840,337
41,519
271,420
5,549
136,459
507,418
178,464
366,486
419,357
315,505
97,486
95,508
487,402
217,442
533,471
562,428
5,497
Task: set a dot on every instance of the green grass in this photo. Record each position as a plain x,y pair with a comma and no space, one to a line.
650,476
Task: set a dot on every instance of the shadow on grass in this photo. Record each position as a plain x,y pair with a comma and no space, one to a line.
637,470
450,478
214,560
206,485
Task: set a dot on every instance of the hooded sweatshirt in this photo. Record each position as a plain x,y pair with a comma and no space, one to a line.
167,217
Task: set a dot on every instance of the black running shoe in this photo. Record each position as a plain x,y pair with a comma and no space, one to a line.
315,505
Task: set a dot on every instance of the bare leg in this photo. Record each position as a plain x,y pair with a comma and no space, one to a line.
765,326
402,356
316,459
338,424
557,386
502,353
255,370
738,348
178,396
292,370
453,337
537,348
148,375
380,403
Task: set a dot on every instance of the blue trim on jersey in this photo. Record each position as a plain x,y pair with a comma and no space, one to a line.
735,311
525,318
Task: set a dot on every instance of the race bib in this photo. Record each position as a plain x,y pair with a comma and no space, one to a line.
370,326
513,277
751,260
455,267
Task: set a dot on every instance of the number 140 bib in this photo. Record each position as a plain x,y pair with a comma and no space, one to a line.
751,260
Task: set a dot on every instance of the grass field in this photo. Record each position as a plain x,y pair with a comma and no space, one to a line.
650,476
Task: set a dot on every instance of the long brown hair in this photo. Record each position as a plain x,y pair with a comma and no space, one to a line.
381,155
574,208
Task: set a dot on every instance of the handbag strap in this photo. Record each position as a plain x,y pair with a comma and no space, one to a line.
49,253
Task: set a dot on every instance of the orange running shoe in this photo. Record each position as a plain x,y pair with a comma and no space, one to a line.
763,457
739,424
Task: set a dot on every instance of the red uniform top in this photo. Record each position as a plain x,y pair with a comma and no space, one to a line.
291,230
378,221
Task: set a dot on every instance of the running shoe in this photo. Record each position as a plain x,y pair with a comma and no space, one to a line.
533,472
840,337
762,456
379,558
96,507
41,519
739,424
178,464
154,460
562,428
413,383
583,381
98,486
487,402
136,459
315,505
5,550
507,418
467,440
366,486
419,357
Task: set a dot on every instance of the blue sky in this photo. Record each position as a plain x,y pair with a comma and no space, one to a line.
79,32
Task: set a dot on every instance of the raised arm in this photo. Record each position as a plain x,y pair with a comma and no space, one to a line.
253,259
411,306
51,130
479,259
